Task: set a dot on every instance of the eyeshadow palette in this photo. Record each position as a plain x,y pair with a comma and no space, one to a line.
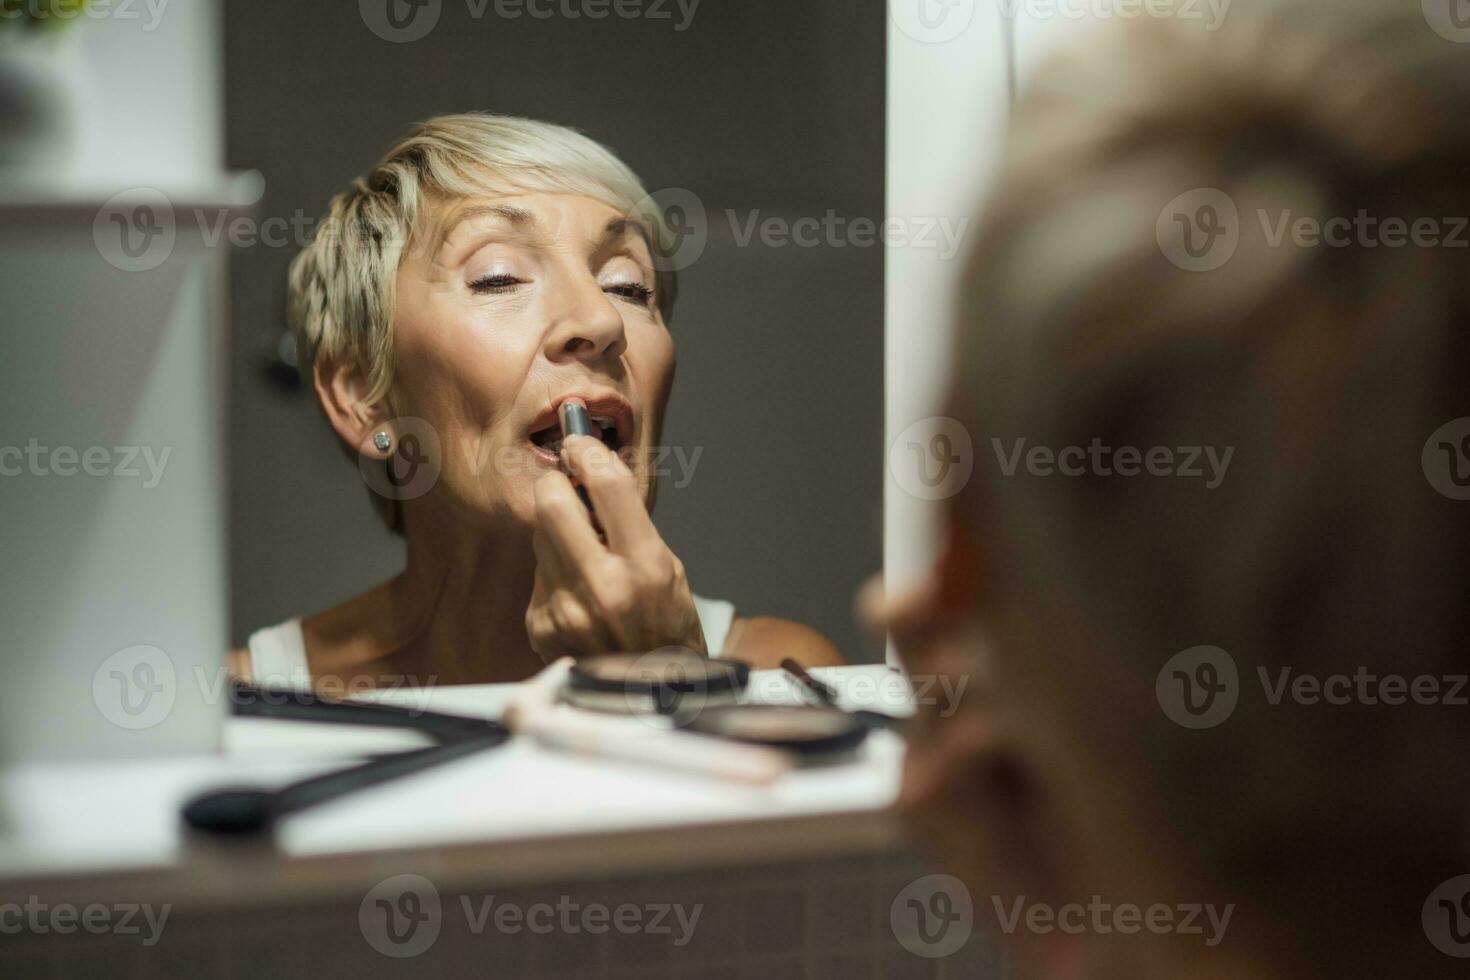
663,682
808,730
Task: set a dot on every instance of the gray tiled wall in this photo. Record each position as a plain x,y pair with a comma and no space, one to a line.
818,919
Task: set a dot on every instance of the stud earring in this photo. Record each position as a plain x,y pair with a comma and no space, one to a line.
382,442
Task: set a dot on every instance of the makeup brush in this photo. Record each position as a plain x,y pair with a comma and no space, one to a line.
244,810
825,694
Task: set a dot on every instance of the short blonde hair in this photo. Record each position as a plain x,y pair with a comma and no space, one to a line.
1326,551
341,286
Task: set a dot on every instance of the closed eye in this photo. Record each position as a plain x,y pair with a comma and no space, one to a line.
635,291
496,284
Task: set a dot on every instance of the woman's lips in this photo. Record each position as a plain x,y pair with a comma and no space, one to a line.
610,412
544,455
553,459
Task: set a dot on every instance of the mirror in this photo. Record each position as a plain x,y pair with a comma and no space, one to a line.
764,151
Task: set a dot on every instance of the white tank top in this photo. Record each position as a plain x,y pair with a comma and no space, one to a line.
278,653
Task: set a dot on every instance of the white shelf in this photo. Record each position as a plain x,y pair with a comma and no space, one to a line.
29,205
521,811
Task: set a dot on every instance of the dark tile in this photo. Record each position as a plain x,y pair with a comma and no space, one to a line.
268,944
901,864
490,955
337,950
730,971
571,951
766,877
843,868
626,914
902,965
174,959
979,960
718,932
625,972
640,948
775,921
85,957
849,966
28,958
772,968
841,915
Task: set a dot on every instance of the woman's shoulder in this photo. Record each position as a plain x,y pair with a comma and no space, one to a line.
237,662
764,641
343,631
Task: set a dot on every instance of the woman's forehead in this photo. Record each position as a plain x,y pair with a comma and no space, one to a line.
559,217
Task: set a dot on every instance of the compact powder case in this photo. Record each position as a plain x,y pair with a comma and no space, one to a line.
808,730
664,682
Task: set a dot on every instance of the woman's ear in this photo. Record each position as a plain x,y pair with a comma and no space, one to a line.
342,387
964,577
985,808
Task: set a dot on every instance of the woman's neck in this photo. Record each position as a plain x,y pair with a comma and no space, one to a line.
456,615
464,598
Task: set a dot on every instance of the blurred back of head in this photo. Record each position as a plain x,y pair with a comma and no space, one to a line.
1253,241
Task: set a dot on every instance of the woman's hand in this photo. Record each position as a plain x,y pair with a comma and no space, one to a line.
625,593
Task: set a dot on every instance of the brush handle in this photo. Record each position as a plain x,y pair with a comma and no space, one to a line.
241,811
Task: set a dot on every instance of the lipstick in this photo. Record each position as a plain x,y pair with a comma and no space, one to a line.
574,419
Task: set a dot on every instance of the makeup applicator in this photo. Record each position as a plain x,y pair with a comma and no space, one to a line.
575,421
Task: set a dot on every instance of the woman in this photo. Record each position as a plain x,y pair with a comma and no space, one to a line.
1222,731
486,271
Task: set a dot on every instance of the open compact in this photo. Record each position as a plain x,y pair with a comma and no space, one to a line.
808,730
664,682
707,696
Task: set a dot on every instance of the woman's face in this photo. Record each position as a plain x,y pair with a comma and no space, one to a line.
511,305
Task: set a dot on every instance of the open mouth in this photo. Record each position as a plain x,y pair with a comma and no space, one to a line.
611,420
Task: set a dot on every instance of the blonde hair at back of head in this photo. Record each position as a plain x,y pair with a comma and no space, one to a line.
1325,549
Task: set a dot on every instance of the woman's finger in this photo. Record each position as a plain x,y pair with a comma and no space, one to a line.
579,629
566,525
550,568
614,492
560,624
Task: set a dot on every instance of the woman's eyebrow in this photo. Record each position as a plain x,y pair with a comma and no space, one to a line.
615,231
518,218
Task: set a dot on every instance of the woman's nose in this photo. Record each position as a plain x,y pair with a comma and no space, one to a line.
588,327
